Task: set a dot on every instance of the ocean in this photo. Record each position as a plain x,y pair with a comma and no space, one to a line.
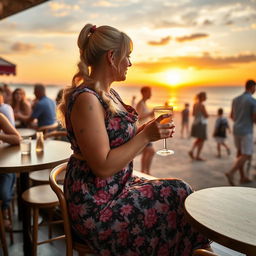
217,96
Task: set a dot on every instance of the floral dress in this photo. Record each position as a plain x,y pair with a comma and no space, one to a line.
123,214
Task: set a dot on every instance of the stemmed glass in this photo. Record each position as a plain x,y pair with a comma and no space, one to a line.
158,111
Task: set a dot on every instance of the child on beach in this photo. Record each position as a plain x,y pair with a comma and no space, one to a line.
221,126
185,120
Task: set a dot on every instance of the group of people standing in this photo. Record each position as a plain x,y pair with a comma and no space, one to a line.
243,114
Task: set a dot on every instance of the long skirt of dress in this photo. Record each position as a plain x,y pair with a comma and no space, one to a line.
146,218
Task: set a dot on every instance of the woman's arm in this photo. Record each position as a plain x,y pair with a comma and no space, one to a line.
10,134
204,111
87,119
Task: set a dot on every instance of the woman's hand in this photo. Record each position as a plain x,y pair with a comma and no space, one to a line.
156,129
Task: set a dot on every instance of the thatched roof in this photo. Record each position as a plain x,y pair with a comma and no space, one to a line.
10,7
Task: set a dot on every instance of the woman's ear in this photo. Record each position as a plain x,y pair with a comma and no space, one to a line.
110,57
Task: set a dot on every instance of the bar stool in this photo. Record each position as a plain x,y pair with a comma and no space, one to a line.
39,197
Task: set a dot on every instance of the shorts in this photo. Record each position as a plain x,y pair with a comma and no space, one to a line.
244,144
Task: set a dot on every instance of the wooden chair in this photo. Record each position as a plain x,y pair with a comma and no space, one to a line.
48,128
71,244
39,197
203,252
2,233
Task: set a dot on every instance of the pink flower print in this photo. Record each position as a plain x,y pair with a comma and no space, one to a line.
118,141
89,223
77,185
118,226
182,193
163,250
161,207
154,242
113,189
114,123
150,217
188,247
76,210
81,229
126,209
165,191
105,234
146,191
136,230
139,241
105,252
171,219
100,182
101,197
123,236
106,215
130,130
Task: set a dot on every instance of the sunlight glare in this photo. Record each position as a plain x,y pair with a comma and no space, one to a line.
173,77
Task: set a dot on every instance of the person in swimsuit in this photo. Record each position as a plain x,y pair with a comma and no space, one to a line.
110,209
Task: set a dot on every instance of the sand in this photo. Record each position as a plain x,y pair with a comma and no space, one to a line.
199,175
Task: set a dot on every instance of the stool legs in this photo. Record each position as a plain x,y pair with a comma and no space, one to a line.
2,234
35,230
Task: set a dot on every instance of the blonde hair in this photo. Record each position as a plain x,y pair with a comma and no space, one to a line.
93,43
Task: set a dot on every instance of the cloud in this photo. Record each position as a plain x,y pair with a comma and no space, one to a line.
201,62
62,9
191,37
22,47
163,41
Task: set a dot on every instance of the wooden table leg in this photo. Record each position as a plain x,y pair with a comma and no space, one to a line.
26,216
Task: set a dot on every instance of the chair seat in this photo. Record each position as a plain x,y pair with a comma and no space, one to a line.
41,196
40,176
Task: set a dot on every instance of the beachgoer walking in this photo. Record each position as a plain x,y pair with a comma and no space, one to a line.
199,126
243,113
220,132
185,121
111,210
145,115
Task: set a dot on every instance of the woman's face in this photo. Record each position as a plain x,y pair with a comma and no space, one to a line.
123,67
18,95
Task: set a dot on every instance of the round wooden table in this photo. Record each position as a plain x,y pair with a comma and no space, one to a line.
55,152
26,132
226,215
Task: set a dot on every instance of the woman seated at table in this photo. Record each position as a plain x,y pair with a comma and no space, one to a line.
111,210
21,107
11,136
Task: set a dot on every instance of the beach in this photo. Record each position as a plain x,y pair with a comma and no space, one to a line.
199,175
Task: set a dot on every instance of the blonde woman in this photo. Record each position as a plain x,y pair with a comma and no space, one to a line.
111,210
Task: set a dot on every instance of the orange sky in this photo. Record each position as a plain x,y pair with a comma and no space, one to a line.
176,43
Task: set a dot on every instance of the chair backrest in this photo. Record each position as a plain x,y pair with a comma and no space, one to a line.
53,178
55,134
203,252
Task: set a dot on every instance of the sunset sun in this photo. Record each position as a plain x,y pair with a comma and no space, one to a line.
173,77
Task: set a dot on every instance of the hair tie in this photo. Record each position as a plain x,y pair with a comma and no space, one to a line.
93,29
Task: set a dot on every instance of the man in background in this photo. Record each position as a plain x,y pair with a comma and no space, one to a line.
145,115
243,113
44,109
